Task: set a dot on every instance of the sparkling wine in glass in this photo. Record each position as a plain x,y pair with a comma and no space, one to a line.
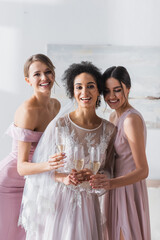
79,157
60,138
95,159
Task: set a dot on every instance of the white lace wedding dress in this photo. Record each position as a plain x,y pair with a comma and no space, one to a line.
54,211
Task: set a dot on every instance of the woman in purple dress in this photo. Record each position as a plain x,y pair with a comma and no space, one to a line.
30,120
128,210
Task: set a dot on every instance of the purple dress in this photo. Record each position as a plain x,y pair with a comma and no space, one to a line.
128,205
11,184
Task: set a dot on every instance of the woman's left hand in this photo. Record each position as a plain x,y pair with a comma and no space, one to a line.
100,181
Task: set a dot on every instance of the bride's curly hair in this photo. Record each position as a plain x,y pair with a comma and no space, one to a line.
77,68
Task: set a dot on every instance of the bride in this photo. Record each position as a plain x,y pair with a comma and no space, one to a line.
61,204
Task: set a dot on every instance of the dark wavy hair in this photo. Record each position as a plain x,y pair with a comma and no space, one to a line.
77,68
120,73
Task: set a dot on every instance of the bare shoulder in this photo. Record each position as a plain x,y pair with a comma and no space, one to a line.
26,115
133,119
133,124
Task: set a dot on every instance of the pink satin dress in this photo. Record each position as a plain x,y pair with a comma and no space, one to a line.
128,209
12,184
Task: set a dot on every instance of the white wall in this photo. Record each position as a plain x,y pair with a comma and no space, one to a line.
27,26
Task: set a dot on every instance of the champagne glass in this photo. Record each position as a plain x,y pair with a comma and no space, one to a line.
79,157
95,159
60,138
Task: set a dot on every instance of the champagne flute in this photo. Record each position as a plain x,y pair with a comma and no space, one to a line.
79,157
95,159
60,138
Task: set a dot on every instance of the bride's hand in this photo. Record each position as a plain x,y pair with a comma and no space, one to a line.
68,181
87,173
82,175
55,161
71,179
65,178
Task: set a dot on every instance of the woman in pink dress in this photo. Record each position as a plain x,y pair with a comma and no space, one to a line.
63,206
30,120
128,210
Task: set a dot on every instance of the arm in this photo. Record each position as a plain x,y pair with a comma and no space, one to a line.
24,167
27,117
134,130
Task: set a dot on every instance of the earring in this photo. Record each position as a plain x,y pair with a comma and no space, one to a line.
98,102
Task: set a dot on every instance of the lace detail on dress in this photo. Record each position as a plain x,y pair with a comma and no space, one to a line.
100,137
90,139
